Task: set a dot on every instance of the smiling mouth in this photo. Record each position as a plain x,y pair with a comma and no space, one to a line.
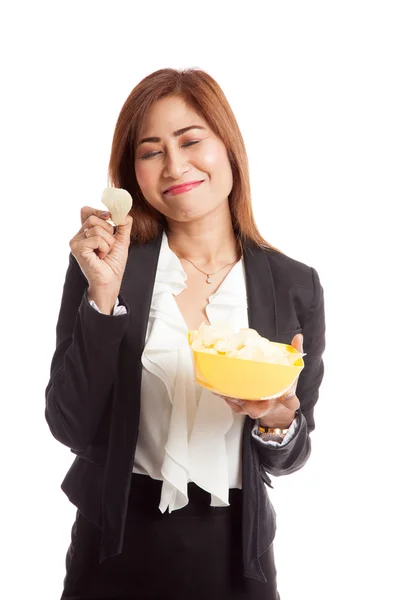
180,189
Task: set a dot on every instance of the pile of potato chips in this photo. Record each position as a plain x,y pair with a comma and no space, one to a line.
247,344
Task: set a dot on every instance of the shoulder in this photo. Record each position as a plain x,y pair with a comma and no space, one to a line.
289,271
297,285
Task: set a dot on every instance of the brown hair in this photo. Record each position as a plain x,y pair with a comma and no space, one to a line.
202,93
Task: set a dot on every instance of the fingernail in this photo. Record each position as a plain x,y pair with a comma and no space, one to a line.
104,213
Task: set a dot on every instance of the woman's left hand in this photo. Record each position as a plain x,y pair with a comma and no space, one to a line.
278,412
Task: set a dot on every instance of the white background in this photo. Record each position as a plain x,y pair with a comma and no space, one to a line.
315,89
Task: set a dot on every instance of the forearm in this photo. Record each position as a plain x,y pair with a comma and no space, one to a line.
82,376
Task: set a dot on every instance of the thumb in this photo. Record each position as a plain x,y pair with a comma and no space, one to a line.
124,229
297,342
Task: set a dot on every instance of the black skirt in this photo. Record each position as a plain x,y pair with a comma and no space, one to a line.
193,553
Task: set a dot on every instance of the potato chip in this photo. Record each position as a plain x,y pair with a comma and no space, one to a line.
119,203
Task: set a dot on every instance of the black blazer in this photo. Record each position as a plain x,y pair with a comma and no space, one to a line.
93,395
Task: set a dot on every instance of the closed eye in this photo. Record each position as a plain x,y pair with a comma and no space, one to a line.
150,154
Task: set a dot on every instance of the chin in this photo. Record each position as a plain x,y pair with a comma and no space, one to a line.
185,217
183,214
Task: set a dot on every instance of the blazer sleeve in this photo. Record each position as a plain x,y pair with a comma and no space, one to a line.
285,459
84,365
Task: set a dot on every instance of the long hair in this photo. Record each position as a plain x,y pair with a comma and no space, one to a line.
202,93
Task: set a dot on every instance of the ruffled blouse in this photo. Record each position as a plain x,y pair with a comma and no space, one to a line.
187,433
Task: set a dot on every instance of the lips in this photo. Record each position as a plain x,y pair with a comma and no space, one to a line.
182,186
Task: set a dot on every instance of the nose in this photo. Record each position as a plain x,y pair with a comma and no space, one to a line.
175,164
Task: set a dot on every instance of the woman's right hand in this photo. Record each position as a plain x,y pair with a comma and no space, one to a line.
102,256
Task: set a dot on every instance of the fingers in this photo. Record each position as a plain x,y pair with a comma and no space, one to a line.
253,408
234,403
290,401
243,407
236,406
102,238
88,211
98,230
98,235
279,409
93,216
93,221
94,242
256,407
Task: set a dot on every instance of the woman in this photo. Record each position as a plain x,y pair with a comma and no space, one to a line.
170,480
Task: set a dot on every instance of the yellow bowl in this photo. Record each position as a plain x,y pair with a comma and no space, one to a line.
245,379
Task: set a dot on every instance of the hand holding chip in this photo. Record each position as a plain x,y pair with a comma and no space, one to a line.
102,254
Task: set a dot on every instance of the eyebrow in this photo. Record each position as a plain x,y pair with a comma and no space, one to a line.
175,134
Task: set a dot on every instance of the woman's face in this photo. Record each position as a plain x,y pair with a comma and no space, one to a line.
178,157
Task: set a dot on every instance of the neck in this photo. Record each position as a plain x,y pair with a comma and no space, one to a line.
209,242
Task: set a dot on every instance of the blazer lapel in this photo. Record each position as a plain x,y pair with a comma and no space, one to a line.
260,292
136,291
137,288
262,315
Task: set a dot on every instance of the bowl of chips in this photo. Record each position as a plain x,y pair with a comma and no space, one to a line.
242,364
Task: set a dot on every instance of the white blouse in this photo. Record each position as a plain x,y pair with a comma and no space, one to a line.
187,433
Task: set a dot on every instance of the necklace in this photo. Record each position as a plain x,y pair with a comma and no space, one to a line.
209,275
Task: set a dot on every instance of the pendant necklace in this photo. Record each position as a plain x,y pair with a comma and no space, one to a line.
209,275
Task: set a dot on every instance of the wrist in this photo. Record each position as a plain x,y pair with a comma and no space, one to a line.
104,301
265,422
